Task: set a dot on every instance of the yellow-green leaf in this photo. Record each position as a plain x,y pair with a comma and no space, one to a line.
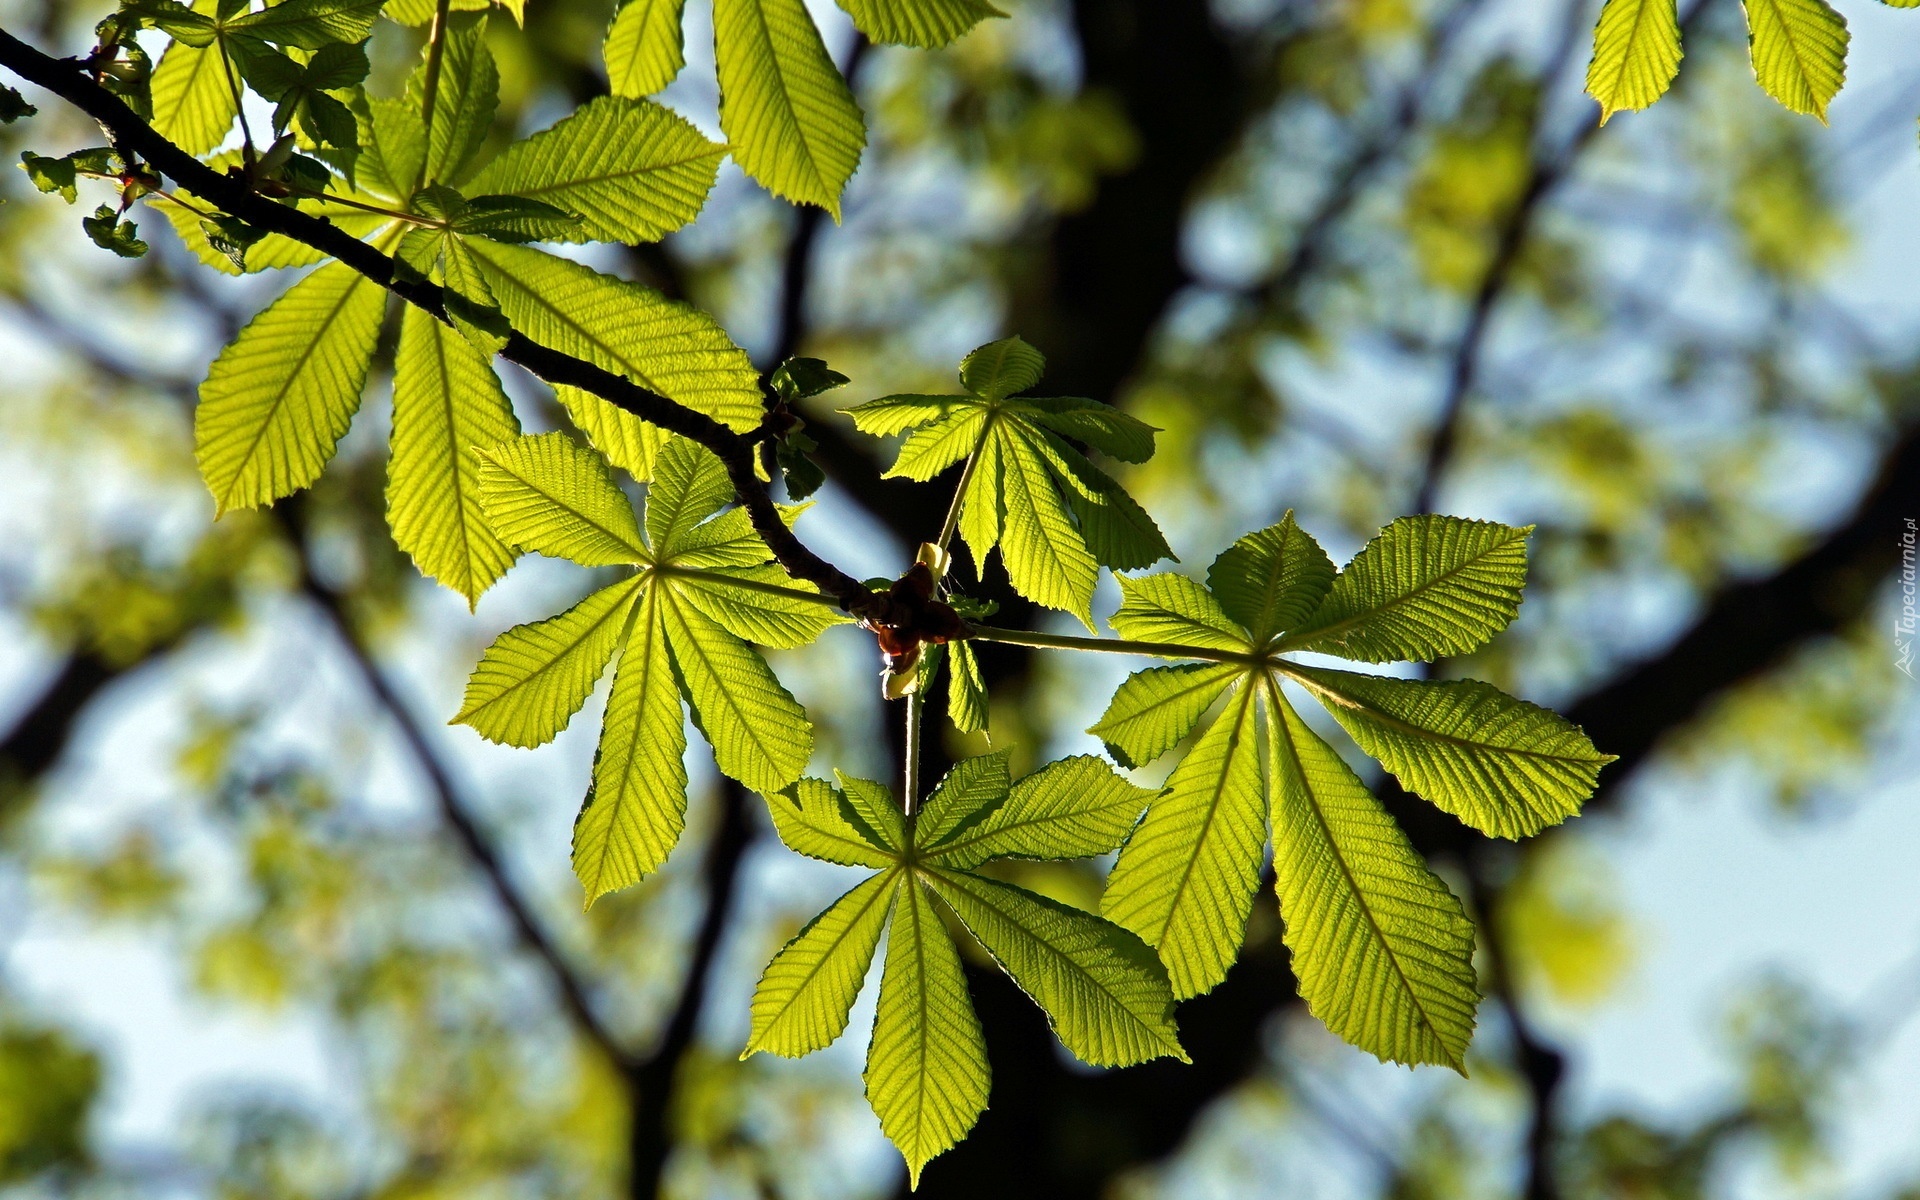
644,48
534,677
793,123
553,497
276,401
808,989
1799,52
1636,54
923,23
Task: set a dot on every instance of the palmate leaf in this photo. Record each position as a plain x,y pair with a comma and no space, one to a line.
1055,517
666,347
1102,989
551,495
1505,767
1799,50
278,398
631,170
644,49
790,117
1382,950
193,101
1636,54
1424,588
446,403
464,101
924,23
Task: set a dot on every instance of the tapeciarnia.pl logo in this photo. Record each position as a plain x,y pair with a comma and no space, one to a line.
1904,621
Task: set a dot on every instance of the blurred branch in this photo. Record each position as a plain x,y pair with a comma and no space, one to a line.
458,813
1548,170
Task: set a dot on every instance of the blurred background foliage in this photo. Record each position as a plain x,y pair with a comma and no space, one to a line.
272,931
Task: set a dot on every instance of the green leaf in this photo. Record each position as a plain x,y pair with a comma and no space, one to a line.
232,237
1101,426
1271,580
1046,559
534,677
666,347
1503,766
933,448
792,121
1103,991
1185,879
1383,951
637,805
630,169
802,378
1425,588
729,540
627,442
813,818
464,102
51,175
110,233
447,403
759,732
872,806
889,415
927,1076
753,615
643,51
1173,608
923,23
809,988
193,101
1799,50
689,485
1155,709
966,689
14,106
309,24
1074,808
280,395
394,156
1117,531
1636,54
972,789
1001,369
273,250
551,496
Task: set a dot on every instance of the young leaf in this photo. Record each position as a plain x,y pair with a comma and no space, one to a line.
534,677
966,689
1505,767
637,805
1636,54
548,495
1055,516
1185,879
924,23
280,395
308,24
644,50
1424,588
758,731
631,170
1103,991
1074,808
1155,709
927,1075
1799,52
1383,951
666,347
193,100
1271,580
109,232
792,122
14,106
809,988
464,101
447,403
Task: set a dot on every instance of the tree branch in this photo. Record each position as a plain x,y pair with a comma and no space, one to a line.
68,80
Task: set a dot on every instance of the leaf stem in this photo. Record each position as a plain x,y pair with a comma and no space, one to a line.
1061,641
910,789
